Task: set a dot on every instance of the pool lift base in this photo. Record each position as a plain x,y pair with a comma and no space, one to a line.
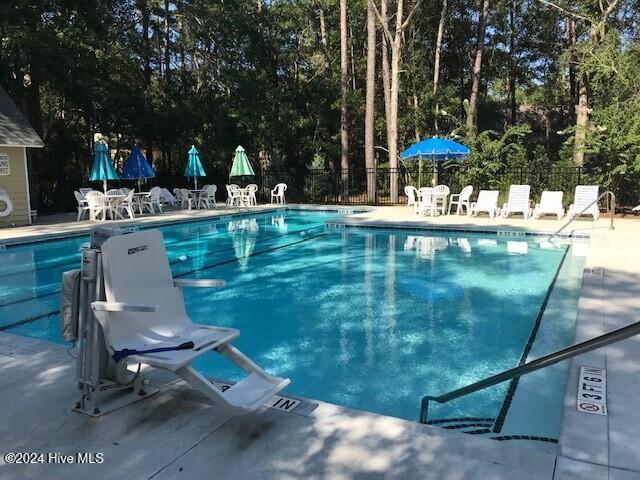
104,385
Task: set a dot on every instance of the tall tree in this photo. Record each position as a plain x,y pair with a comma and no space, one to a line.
369,117
344,92
436,59
395,40
472,116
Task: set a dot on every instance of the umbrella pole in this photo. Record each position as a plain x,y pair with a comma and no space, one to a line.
104,185
195,182
139,186
419,172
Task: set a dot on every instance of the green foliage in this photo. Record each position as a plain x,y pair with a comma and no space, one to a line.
166,74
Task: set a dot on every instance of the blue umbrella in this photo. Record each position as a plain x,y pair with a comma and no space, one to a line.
194,166
102,168
137,167
435,149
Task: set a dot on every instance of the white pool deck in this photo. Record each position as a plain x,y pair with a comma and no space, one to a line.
177,434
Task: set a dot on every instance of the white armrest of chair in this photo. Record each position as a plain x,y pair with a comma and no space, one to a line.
197,282
121,307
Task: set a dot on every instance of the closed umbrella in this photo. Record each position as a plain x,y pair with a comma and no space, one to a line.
136,167
102,168
241,166
194,166
435,149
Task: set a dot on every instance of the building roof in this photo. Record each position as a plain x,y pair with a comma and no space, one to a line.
15,130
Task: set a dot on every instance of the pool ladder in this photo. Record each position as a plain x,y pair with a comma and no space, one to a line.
538,364
550,359
611,209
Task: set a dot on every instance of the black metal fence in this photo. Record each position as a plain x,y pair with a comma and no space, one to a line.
365,186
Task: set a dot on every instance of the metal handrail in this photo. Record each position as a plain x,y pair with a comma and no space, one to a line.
611,210
551,359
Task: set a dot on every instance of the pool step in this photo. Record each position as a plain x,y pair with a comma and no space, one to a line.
483,427
470,425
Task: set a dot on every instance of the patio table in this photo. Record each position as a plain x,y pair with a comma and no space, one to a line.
112,201
435,199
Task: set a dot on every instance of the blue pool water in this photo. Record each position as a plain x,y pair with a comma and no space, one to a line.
369,319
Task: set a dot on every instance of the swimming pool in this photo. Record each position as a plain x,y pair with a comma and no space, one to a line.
365,318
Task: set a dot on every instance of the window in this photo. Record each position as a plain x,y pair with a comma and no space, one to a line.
4,164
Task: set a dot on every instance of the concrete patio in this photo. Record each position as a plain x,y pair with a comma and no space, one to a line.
176,432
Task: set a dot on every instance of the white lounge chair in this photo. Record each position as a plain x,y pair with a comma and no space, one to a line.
144,321
167,197
412,197
585,196
518,201
550,204
487,202
277,194
461,199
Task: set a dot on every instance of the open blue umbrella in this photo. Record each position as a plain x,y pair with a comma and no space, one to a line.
194,166
137,167
435,149
102,168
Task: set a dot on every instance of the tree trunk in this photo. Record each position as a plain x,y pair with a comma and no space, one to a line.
582,120
369,117
472,117
436,61
167,55
572,39
386,74
344,86
512,68
323,28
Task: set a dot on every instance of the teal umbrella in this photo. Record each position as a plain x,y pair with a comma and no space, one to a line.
194,166
102,168
241,166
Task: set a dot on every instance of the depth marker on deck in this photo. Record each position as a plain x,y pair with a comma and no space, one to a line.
592,391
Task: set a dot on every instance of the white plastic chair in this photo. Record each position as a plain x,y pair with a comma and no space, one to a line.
461,199
97,203
412,197
584,196
127,204
207,197
277,194
550,204
84,191
425,201
152,200
249,197
440,196
187,198
518,201
487,202
144,310
234,196
83,207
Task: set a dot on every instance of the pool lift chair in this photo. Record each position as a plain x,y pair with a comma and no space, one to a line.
124,307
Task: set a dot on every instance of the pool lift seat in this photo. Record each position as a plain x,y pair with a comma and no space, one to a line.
142,319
